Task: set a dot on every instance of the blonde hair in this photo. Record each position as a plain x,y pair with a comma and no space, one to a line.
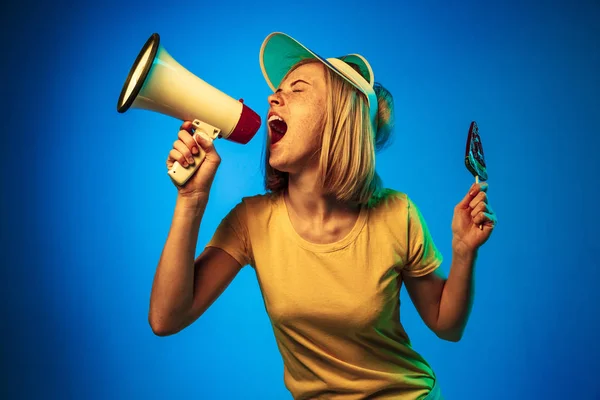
348,143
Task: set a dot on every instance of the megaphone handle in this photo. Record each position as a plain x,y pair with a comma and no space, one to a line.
180,174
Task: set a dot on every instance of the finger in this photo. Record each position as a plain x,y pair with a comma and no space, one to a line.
484,218
480,207
473,190
207,145
189,141
185,152
187,126
175,155
480,198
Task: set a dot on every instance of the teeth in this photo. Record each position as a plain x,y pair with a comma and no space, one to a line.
275,118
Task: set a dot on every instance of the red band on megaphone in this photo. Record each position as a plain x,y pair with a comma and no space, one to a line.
246,127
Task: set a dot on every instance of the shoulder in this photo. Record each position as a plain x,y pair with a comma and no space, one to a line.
389,199
264,200
389,207
393,205
256,205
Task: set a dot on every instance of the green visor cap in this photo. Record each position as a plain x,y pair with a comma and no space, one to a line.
280,52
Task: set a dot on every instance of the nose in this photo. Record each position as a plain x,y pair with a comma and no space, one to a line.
275,99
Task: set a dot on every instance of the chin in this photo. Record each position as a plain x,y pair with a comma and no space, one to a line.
277,164
282,163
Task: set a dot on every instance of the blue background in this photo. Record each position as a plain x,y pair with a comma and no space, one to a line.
87,204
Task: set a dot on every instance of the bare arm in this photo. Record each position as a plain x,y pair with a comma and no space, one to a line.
445,304
183,288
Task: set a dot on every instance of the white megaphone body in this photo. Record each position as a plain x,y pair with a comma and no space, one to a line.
157,82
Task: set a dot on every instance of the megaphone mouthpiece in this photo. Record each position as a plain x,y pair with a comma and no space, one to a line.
246,127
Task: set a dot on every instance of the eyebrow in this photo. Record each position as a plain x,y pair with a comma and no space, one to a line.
298,81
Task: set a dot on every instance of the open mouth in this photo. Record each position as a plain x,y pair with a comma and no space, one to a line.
278,128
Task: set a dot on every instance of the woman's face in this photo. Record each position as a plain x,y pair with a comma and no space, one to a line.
296,118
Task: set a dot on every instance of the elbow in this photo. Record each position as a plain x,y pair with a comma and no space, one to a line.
160,331
455,338
159,327
450,335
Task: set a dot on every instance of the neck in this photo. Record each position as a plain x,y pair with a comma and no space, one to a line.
309,202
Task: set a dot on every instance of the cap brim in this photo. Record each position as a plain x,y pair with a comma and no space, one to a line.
280,52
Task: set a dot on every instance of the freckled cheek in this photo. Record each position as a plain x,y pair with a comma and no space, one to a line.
309,125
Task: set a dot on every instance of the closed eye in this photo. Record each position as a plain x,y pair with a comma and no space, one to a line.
297,86
294,91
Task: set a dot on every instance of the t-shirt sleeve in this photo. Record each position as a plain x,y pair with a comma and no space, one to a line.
422,255
232,235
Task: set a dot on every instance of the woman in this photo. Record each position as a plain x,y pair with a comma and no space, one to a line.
330,246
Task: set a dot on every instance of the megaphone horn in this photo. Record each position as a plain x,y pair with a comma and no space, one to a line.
157,82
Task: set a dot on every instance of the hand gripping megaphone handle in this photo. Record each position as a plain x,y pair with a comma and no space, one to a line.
180,174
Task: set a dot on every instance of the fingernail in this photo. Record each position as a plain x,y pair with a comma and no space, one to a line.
185,164
191,160
195,150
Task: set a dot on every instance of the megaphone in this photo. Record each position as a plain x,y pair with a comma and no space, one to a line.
157,82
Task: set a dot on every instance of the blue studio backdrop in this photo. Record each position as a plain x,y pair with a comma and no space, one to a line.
87,203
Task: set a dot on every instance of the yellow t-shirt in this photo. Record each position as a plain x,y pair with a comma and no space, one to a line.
335,308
